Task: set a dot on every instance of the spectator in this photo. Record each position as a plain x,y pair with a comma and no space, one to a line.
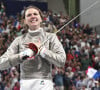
16,86
58,79
76,38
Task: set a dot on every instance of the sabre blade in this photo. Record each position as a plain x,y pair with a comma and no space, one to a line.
77,16
72,20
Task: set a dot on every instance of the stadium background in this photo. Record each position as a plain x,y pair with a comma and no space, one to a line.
69,37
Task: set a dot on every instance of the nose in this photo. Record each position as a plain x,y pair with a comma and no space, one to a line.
32,15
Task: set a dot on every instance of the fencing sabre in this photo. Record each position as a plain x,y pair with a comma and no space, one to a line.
36,49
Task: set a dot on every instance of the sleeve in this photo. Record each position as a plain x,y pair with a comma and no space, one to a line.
56,55
10,57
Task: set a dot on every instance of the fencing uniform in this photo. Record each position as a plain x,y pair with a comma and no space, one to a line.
36,84
41,66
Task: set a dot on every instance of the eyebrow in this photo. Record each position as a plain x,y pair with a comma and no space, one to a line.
35,13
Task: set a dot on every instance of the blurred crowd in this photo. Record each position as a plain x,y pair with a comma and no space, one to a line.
81,44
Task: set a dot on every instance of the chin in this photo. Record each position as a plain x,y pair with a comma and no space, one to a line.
34,26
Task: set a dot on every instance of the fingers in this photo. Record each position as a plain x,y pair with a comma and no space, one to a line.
35,47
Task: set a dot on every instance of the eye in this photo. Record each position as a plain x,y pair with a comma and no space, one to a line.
35,13
29,15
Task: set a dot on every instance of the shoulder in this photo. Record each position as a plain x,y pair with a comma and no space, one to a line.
20,38
51,35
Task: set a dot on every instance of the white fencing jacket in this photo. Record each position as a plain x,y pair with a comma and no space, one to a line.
41,66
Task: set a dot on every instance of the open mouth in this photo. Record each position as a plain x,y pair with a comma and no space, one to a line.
33,20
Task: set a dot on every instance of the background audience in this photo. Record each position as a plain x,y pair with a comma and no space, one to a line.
81,44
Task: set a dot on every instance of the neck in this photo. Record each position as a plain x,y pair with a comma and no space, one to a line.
35,32
34,28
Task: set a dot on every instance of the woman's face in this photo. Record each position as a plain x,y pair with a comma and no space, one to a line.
32,18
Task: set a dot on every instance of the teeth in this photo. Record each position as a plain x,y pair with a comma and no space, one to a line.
33,20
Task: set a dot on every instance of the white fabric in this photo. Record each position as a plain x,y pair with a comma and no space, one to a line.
91,72
27,52
42,52
33,31
36,84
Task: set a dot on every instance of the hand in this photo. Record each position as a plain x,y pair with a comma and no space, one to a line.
27,53
35,47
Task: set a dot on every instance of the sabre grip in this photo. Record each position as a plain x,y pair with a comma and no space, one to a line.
26,53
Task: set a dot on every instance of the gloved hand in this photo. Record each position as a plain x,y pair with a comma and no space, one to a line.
26,53
34,47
